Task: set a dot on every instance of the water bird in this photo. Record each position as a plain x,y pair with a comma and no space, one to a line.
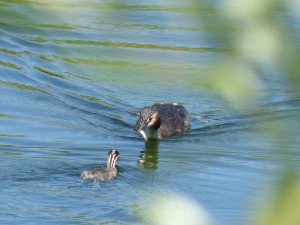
162,120
104,173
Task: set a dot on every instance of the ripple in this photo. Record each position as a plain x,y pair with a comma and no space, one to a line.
134,45
11,52
51,73
10,65
25,87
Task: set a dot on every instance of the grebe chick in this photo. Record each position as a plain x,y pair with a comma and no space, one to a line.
162,120
104,173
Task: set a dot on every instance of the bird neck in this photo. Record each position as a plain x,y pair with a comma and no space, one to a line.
111,163
150,133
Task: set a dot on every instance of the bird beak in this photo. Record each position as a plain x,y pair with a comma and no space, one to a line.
143,133
143,126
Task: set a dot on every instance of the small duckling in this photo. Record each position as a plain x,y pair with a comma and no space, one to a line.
104,173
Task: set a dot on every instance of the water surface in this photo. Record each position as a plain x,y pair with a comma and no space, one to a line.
74,75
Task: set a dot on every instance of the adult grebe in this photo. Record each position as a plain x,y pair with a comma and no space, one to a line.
104,173
162,120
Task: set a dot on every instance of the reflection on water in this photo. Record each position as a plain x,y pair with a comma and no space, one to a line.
149,156
73,76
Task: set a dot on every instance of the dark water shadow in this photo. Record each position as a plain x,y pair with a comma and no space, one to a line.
149,155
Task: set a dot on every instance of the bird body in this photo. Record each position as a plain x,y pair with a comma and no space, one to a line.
162,120
101,173
104,173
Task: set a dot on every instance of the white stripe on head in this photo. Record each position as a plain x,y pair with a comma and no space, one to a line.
109,160
114,160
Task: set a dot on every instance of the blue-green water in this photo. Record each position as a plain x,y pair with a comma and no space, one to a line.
73,78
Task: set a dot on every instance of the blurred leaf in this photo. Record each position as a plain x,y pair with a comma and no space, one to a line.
170,209
283,207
